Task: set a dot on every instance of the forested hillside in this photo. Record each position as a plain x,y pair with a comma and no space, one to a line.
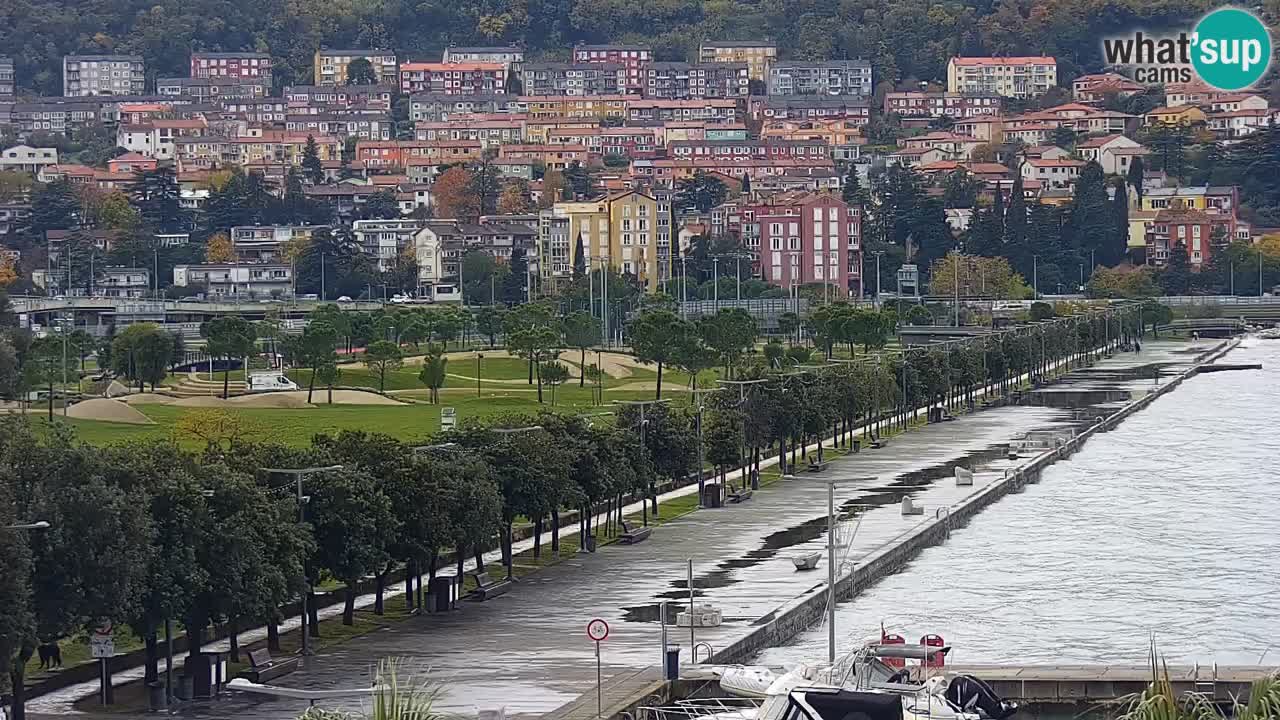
905,39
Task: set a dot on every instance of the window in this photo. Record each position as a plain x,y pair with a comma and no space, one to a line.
817,214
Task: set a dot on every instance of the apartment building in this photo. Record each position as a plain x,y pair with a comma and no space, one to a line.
757,54
692,81
620,230
6,77
664,111
809,107
810,237
579,79
244,65
957,106
1015,77
158,138
236,279
439,107
367,126
24,158
84,75
385,240
210,90
828,77
509,56
633,57
268,243
340,96
453,78
331,65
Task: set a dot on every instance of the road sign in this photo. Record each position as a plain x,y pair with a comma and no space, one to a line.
102,643
448,418
598,630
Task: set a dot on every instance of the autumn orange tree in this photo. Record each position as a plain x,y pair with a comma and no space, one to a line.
514,199
218,249
453,196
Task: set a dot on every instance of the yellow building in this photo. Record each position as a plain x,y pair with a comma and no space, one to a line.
331,65
1184,115
757,54
620,230
1015,77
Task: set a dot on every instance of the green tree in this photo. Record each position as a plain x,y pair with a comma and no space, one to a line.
157,197
555,374
360,72
654,336
433,370
700,192
1175,277
142,352
730,332
354,525
381,206
312,167
581,331
1137,173
382,357
853,193
960,189
229,337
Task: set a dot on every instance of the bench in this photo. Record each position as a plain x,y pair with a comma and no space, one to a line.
263,668
632,534
738,496
818,465
880,442
488,588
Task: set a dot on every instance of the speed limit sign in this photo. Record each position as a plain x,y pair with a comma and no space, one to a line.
598,630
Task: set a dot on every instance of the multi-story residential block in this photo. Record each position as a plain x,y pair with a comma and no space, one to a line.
942,104
102,75
757,54
249,280
267,110
1015,77
835,132
6,77
573,78
666,171
453,78
122,282
369,126
212,89
246,65
689,81
272,148
489,131
158,138
633,57
510,56
730,150
341,96
810,238
664,111
620,231
441,245
385,240
827,77
556,108
628,142
53,117
24,158
385,154
809,107
331,65
439,107
552,157
267,243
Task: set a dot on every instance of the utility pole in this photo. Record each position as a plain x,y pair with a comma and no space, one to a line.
715,281
877,253
298,474
1035,276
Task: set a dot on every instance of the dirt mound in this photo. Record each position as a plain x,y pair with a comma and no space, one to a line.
149,399
107,411
202,401
116,389
352,397
287,400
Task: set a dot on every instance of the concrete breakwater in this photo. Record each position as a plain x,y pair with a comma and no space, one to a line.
798,615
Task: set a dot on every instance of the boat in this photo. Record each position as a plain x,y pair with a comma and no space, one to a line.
1270,334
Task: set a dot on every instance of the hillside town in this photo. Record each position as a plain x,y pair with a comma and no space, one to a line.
614,159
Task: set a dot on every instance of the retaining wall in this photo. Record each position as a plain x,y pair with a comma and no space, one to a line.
802,613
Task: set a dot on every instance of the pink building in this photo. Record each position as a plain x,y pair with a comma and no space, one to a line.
810,237
634,57
246,65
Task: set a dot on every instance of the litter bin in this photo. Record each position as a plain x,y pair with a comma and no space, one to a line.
711,495
440,590
155,696
857,445
590,543
671,667
207,671
755,479
186,688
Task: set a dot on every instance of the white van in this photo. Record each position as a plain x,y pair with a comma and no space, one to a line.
263,381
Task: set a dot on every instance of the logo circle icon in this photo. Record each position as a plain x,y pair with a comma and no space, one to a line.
598,630
1231,49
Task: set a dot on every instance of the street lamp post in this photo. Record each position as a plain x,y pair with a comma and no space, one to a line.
877,253
1035,276
298,473
715,281
479,357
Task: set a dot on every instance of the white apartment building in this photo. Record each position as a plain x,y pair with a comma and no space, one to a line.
1015,77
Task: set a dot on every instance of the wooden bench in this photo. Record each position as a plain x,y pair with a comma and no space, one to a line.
632,534
263,668
487,588
818,465
880,442
738,496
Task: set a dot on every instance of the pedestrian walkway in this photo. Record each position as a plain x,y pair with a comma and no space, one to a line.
527,650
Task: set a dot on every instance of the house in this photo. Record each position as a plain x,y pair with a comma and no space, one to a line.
955,147
1015,77
621,229
1182,115
1115,153
25,158
1061,173
268,243
917,156
1233,124
1094,89
132,162
1045,152
122,282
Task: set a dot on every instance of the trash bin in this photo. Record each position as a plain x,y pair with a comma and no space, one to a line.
755,479
711,495
207,671
671,667
440,592
156,696
857,445
186,687
590,543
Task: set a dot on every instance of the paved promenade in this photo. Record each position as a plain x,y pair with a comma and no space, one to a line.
527,650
